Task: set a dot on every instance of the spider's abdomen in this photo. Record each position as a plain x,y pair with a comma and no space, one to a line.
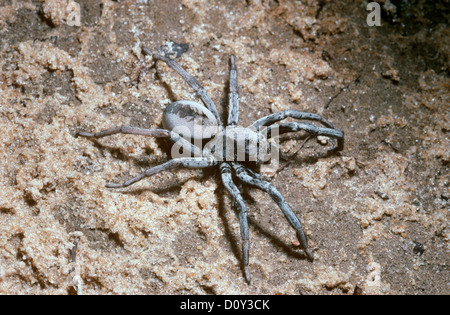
190,119
238,144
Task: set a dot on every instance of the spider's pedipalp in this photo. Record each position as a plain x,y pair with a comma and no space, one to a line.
246,177
227,180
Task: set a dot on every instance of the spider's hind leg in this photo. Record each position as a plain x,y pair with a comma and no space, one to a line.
233,96
193,82
158,133
195,162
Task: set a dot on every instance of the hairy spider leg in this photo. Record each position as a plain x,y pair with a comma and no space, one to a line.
233,95
312,129
193,82
189,162
272,118
225,170
246,177
157,133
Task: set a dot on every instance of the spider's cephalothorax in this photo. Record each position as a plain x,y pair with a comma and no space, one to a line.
189,125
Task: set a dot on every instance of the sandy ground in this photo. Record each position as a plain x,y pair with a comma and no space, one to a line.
376,215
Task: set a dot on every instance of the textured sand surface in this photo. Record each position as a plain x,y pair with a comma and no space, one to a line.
376,215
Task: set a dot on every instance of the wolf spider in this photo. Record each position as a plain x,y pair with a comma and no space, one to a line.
240,142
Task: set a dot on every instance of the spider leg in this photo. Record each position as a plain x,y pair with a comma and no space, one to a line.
270,119
312,129
196,162
193,82
227,180
233,96
157,133
245,176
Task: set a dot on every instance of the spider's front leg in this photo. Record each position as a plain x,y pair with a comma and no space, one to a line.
333,133
329,130
272,118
